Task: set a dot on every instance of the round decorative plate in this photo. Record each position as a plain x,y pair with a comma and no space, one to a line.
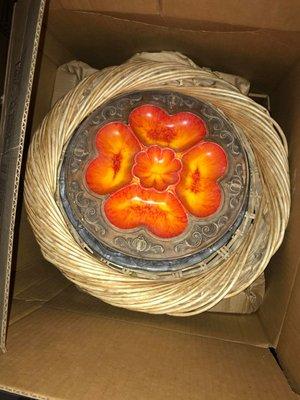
154,181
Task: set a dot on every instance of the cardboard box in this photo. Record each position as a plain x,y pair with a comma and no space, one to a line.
64,344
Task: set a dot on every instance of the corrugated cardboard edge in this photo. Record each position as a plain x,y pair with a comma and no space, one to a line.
26,394
10,238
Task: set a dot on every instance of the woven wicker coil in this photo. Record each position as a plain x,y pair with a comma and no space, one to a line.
231,268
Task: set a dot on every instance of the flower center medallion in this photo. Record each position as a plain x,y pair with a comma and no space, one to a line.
156,171
157,168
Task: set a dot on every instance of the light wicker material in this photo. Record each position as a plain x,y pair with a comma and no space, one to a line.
232,271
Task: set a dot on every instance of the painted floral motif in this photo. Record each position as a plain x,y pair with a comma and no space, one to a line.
117,147
156,171
157,167
160,212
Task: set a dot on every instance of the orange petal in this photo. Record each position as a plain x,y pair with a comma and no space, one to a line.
153,125
111,170
132,207
198,188
202,203
208,158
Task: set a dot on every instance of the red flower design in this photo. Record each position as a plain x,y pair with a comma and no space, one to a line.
156,171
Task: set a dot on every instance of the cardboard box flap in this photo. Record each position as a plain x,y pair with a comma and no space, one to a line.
262,57
289,342
263,14
27,20
279,312
286,285
148,7
266,14
282,270
57,354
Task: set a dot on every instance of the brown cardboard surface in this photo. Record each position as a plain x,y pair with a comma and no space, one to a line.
289,341
26,278
54,54
21,309
28,252
128,6
283,267
3,51
235,328
271,14
55,4
55,51
172,22
44,92
34,279
149,11
45,289
260,56
65,355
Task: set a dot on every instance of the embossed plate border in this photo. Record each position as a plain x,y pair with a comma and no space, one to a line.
133,251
